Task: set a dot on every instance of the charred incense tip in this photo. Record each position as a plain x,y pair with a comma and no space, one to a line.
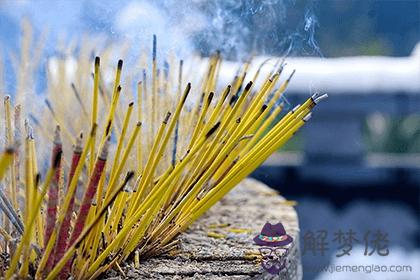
168,115
6,98
291,75
97,61
248,86
213,129
57,159
131,104
307,117
119,88
263,108
154,47
186,92
108,128
120,64
37,179
227,91
138,124
10,150
129,176
210,97
233,100
139,83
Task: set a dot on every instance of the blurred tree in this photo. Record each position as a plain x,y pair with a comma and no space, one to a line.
368,27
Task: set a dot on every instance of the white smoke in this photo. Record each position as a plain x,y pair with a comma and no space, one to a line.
174,24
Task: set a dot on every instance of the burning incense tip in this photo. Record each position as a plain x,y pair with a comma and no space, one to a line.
98,61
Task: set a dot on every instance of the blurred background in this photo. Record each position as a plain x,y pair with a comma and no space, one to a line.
357,165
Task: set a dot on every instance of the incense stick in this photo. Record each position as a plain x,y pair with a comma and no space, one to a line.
189,144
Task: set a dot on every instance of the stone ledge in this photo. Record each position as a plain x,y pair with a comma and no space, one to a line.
231,252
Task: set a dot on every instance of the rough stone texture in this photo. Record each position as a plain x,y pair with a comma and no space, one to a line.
237,218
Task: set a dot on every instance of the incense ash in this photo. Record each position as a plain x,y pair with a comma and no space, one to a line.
129,167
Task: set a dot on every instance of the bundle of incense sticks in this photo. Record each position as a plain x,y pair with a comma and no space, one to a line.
140,172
